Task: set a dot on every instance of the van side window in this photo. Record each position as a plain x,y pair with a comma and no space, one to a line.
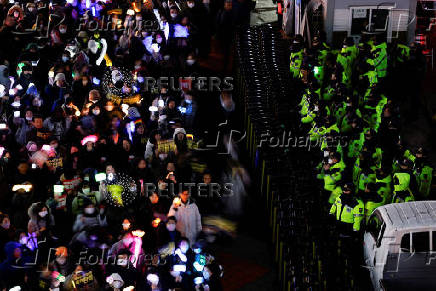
421,241
405,243
374,226
380,235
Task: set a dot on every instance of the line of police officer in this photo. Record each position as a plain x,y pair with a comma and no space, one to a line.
345,104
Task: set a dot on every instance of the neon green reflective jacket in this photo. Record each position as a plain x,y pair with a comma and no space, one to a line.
424,180
401,182
296,61
348,214
381,59
384,186
364,180
333,176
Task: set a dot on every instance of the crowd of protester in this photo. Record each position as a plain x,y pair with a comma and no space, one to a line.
355,101
93,159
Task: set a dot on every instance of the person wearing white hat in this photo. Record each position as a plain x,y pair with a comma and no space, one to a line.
60,79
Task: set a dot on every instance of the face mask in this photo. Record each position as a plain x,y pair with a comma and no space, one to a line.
191,5
137,67
85,190
122,262
62,30
173,15
64,59
184,249
330,161
89,210
133,189
43,213
159,40
6,225
61,260
117,284
166,57
190,62
23,240
28,118
171,227
96,112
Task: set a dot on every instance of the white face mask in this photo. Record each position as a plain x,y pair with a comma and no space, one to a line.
166,57
6,225
89,210
85,190
173,15
62,30
190,62
23,240
330,161
171,227
64,59
191,5
43,213
117,284
133,189
137,67
122,262
96,112
28,118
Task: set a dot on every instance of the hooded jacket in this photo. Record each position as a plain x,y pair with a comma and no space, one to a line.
12,270
34,224
188,220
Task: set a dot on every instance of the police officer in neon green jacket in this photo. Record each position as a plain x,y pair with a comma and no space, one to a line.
348,209
383,182
296,58
423,172
404,183
381,59
371,199
333,171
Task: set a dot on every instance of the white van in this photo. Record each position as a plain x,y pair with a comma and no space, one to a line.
400,246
